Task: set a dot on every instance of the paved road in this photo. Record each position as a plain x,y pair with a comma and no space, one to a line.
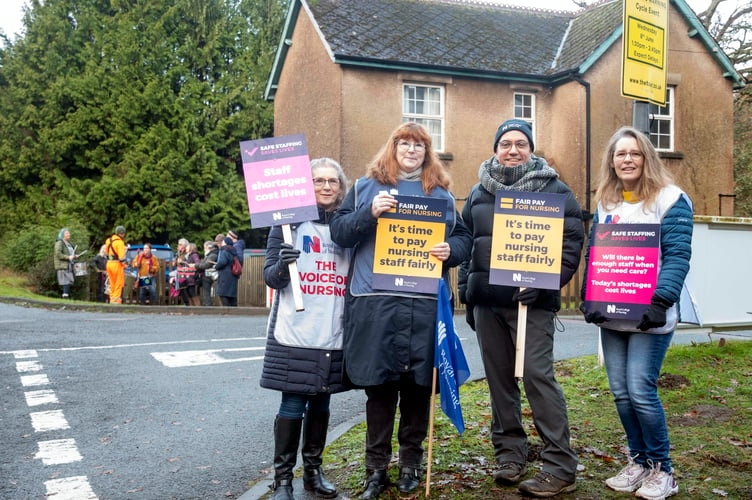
155,406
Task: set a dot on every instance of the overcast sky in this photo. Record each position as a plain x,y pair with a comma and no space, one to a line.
11,13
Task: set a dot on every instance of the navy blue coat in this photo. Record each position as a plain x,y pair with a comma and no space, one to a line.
227,283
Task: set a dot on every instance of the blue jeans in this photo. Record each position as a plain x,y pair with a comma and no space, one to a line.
149,291
633,364
295,405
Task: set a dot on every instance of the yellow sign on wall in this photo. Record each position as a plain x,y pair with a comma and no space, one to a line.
645,43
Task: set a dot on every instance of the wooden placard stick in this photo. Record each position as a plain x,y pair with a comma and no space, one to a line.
430,432
519,360
297,293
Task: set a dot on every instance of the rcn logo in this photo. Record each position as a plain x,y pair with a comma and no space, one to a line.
311,244
611,308
399,281
516,277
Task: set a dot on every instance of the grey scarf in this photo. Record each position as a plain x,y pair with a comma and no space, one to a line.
410,176
530,176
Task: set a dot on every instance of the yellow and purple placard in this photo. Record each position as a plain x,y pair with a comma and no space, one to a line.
278,181
404,236
527,239
622,269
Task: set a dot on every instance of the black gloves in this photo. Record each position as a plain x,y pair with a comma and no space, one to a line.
526,296
655,316
595,317
287,254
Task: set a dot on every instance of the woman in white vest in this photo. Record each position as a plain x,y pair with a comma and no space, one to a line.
636,188
303,356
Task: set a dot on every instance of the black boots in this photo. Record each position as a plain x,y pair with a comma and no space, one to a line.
314,440
286,439
376,483
409,479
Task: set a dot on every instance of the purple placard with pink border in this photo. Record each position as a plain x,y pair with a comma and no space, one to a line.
278,182
622,269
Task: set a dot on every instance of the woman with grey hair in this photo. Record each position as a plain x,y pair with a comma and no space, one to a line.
64,255
302,361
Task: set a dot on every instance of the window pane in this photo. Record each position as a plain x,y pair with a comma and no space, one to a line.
423,104
523,106
434,129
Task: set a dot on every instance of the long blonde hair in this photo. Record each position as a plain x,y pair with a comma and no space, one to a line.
654,176
385,169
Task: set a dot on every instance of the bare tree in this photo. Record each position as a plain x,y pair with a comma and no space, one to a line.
730,23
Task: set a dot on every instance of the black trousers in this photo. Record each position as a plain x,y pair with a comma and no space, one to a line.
381,407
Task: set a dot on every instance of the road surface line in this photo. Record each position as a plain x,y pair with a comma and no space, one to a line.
58,451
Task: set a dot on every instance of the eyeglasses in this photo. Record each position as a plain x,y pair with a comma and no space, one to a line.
319,182
622,155
405,146
504,145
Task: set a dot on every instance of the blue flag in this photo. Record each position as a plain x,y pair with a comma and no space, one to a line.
449,360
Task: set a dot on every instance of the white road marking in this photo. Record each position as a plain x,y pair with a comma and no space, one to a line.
34,380
70,488
28,366
24,354
58,451
41,397
177,359
145,344
52,420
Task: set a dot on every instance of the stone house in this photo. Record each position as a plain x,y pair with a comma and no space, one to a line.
348,72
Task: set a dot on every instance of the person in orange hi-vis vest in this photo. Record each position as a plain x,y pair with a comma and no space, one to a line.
115,246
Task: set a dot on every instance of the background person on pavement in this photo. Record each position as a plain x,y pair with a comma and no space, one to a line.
389,336
206,272
635,187
238,244
146,266
227,283
116,248
187,275
303,356
492,312
100,264
63,257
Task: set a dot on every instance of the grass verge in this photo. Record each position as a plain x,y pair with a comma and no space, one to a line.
706,389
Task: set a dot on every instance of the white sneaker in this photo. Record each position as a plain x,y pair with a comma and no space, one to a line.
659,485
629,478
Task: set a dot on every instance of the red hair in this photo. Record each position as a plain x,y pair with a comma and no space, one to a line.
385,169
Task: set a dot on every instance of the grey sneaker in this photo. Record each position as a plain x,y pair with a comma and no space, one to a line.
510,473
545,485
629,478
658,485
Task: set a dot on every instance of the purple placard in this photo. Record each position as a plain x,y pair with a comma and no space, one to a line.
278,182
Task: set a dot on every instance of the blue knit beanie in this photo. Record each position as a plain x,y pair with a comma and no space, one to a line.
514,124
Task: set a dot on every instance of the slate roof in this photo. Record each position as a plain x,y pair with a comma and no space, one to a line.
470,35
473,37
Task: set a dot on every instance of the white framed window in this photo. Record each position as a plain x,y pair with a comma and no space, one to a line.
524,109
424,104
662,123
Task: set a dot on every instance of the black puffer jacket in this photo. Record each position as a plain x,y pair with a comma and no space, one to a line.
478,214
299,370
